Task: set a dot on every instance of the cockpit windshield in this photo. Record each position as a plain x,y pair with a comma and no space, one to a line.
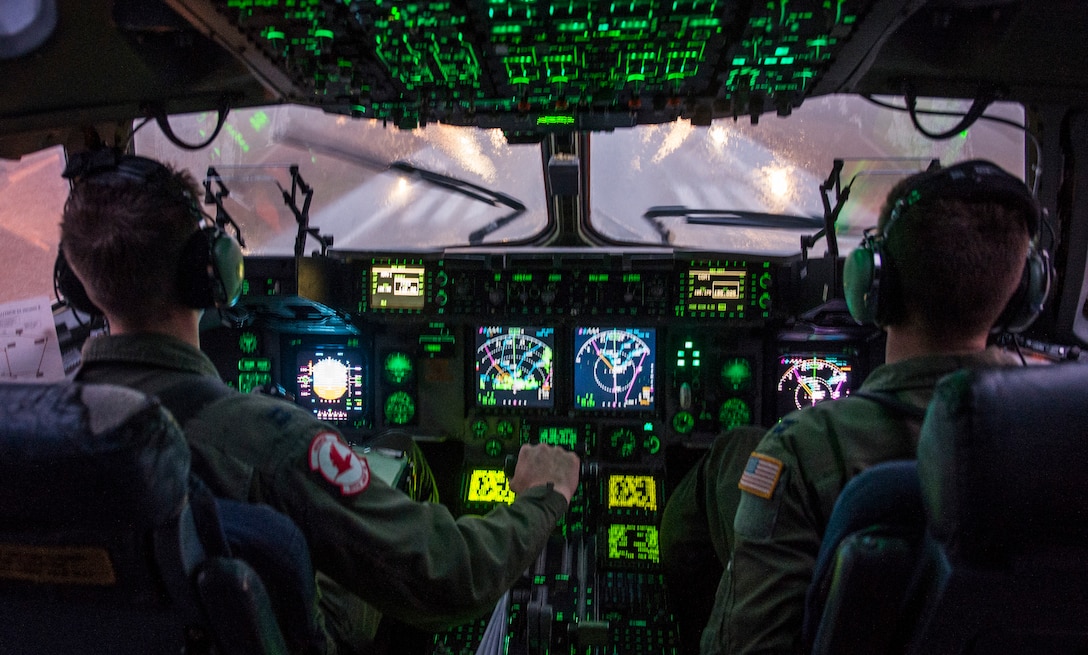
296,180
739,187
374,186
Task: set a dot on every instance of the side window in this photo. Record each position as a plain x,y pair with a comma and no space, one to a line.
33,194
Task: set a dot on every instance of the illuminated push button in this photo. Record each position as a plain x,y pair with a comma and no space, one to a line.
247,343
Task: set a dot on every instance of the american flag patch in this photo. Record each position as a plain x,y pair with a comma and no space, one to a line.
760,475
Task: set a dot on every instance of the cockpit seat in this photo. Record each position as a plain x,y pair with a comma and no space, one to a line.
107,545
866,562
1001,564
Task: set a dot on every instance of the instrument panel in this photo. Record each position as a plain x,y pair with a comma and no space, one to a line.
633,360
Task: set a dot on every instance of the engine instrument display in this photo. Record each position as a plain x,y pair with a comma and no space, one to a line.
614,368
484,486
632,491
514,366
806,379
632,545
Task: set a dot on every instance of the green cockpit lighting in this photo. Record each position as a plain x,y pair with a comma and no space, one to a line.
462,63
397,367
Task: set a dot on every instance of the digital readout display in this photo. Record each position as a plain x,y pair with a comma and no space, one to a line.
514,366
633,544
717,290
629,491
488,486
397,287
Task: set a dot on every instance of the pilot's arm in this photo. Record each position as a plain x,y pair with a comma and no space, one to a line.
411,560
788,487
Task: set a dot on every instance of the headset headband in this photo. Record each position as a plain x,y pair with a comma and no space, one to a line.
972,181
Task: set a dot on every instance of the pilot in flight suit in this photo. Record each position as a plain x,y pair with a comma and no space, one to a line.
131,239
410,560
949,256
813,453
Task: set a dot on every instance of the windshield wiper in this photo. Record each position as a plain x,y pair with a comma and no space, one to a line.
475,191
456,185
727,218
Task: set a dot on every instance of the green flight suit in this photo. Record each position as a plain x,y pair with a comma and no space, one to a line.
774,540
819,449
410,560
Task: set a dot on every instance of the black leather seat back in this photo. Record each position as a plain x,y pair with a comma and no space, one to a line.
1001,462
101,549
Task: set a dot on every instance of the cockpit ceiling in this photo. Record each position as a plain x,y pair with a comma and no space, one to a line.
531,67
536,65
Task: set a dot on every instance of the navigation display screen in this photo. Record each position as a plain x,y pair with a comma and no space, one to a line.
810,378
514,366
614,368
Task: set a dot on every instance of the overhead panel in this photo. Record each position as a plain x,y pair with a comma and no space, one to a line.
537,65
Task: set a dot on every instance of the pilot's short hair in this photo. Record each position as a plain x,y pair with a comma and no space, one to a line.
958,259
124,238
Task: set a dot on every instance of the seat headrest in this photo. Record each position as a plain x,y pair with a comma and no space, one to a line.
77,454
1002,458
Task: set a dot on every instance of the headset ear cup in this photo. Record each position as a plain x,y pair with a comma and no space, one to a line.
1028,300
210,270
70,289
229,265
861,283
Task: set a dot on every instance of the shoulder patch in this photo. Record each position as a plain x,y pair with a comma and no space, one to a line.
761,475
339,464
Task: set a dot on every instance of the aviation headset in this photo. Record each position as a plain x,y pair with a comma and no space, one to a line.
871,282
210,267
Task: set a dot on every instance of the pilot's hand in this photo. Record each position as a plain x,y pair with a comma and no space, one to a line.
541,464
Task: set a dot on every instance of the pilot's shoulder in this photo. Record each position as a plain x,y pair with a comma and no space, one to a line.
806,429
261,417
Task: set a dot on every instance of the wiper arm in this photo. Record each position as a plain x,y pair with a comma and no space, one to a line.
727,218
475,191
